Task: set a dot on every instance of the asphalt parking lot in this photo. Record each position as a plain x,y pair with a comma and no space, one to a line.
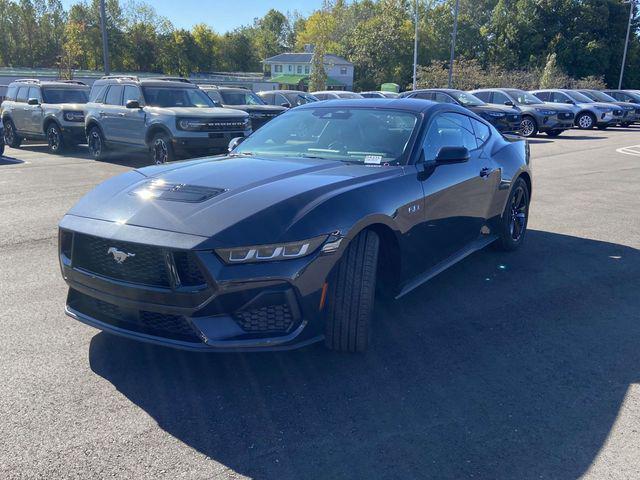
507,366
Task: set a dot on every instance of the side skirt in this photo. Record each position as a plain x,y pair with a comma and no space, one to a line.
474,246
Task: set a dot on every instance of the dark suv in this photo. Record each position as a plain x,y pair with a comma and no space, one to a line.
169,117
45,110
505,119
245,100
286,98
537,116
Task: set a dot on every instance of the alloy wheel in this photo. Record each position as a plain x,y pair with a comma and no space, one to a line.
160,151
518,214
527,127
95,144
9,134
53,138
585,121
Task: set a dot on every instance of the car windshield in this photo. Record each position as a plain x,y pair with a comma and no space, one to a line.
233,97
525,98
168,97
362,135
300,98
579,97
633,95
348,95
65,95
467,99
598,96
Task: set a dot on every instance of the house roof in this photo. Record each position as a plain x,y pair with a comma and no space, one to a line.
304,79
305,58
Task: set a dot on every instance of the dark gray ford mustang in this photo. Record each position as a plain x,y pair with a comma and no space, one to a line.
286,240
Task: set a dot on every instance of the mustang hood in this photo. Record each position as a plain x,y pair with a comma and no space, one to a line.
253,198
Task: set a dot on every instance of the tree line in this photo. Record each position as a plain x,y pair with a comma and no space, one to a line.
567,41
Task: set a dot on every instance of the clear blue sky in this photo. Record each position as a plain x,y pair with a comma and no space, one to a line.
221,15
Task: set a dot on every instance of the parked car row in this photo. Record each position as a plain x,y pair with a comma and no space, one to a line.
171,117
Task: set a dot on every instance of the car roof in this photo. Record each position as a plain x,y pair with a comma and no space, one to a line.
407,104
49,83
284,91
146,82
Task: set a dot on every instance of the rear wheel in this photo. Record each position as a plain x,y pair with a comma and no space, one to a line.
585,121
55,139
162,149
95,142
528,126
352,288
11,136
515,217
554,133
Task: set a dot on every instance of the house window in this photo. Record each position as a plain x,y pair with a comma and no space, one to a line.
291,68
299,69
278,68
306,69
343,70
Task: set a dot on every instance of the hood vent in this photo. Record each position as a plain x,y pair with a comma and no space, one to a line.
175,192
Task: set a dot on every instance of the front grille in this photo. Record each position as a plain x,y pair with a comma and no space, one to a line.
134,262
157,324
223,125
271,318
565,115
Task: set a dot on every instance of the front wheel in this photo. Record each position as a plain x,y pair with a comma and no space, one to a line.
162,149
528,126
554,133
95,142
55,139
513,225
352,287
585,121
11,136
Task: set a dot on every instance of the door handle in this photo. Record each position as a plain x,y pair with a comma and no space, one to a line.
486,171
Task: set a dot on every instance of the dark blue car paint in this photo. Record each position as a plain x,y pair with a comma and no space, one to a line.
427,217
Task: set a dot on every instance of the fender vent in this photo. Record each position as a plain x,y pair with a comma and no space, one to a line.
175,192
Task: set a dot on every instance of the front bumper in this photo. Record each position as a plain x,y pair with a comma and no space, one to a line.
207,141
507,124
264,306
75,132
607,119
558,121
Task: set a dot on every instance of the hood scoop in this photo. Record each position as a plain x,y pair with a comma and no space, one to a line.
174,192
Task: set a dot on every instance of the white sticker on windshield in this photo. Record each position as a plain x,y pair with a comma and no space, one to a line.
373,159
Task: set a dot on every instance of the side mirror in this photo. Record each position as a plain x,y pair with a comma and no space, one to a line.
285,105
133,104
509,103
448,155
33,101
235,142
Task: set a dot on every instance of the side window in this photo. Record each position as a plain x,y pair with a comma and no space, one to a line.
482,131
500,98
22,94
443,98
114,95
449,130
34,92
11,92
557,97
131,93
544,96
484,96
268,98
97,93
321,96
423,95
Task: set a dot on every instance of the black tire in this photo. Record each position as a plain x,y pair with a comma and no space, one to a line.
96,144
528,126
161,149
602,127
55,139
513,225
11,137
352,287
554,133
1,147
585,121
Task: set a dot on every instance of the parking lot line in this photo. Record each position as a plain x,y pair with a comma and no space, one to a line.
630,150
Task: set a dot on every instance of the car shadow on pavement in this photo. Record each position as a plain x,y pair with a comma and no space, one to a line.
505,366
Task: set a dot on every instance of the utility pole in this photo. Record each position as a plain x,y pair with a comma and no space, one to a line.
632,4
415,49
105,45
453,41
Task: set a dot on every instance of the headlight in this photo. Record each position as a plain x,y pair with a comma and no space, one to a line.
544,111
73,116
270,253
495,114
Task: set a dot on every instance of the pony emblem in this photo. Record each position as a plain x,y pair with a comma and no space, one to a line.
118,255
